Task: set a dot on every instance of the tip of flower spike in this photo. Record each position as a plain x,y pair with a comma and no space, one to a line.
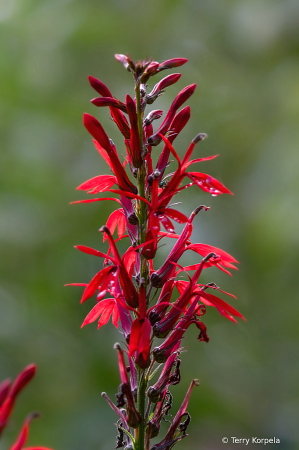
199,137
104,394
196,382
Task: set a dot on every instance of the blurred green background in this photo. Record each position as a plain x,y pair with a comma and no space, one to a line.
244,57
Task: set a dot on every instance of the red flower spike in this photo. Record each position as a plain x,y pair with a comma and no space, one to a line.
130,281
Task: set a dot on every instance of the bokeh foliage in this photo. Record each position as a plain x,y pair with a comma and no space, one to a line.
244,57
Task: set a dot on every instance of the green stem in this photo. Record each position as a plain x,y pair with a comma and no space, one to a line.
141,408
142,218
141,176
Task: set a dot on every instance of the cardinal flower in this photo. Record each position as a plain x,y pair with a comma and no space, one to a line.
146,300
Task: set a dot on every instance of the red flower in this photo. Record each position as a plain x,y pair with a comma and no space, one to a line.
140,341
181,98
133,417
96,130
105,309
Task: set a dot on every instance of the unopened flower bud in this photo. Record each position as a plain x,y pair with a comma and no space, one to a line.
199,137
124,61
158,355
170,63
156,280
153,115
133,219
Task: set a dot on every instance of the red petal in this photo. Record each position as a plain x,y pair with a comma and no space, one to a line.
99,86
167,224
221,305
92,251
94,284
144,340
97,310
4,389
91,200
113,221
94,127
22,438
100,183
22,380
102,152
115,316
134,336
109,101
207,158
134,135
176,215
121,229
105,315
174,62
130,195
208,183
204,250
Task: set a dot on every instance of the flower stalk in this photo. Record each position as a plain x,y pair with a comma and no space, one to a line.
133,281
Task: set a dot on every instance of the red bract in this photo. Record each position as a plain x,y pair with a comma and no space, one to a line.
127,284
